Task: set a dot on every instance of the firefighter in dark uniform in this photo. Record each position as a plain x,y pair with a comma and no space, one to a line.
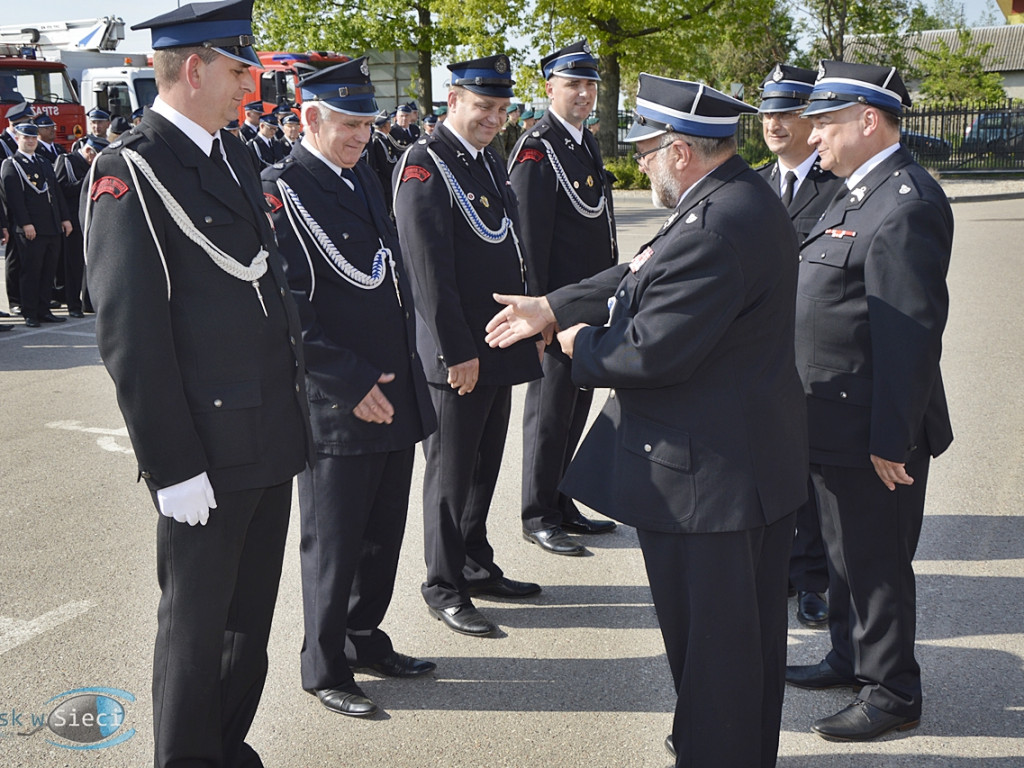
72,168
99,123
39,223
266,148
291,130
872,305
48,148
16,115
205,352
404,131
701,445
806,190
250,127
368,397
459,225
568,234
381,155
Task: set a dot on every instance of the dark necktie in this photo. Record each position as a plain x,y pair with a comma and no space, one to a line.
218,159
787,193
349,175
482,161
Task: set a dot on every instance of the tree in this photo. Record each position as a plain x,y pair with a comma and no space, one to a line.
619,30
958,74
879,27
429,27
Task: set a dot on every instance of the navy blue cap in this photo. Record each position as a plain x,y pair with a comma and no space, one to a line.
405,109
232,126
572,61
96,142
345,88
224,26
290,119
20,111
381,118
44,121
119,125
695,109
430,120
489,76
138,113
253,106
842,84
26,129
98,114
270,118
786,89
413,107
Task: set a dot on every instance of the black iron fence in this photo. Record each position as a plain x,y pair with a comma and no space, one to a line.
960,138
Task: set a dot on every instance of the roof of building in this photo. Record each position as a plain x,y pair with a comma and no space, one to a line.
1005,55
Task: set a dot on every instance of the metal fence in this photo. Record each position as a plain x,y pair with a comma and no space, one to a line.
952,138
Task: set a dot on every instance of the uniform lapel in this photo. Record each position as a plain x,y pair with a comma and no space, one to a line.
333,186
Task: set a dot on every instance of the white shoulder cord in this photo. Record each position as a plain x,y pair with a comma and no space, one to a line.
343,268
589,211
251,274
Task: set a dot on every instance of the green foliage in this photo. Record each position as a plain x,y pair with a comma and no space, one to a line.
628,174
958,74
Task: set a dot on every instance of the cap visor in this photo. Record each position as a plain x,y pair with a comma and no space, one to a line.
494,91
822,106
245,55
578,74
352,109
780,105
640,132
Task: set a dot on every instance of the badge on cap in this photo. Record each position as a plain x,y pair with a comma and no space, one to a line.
904,189
365,68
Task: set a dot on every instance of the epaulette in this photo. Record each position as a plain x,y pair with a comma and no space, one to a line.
124,140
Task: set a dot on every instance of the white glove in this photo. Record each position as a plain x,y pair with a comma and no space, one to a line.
189,501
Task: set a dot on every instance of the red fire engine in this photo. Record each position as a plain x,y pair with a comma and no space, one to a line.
44,85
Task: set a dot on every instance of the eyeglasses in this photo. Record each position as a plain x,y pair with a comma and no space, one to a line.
638,155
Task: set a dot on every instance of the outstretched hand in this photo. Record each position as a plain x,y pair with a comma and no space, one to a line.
522,318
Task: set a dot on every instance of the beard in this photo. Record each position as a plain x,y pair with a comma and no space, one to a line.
665,191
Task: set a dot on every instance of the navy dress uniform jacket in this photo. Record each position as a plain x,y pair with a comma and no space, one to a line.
871,308
454,271
350,336
706,430
561,245
814,195
24,205
204,380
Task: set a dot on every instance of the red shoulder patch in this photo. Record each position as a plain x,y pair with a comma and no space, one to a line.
530,154
417,172
274,202
108,185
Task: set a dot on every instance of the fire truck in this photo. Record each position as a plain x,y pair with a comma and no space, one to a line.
277,83
102,77
45,85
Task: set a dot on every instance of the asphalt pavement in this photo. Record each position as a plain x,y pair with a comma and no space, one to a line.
577,676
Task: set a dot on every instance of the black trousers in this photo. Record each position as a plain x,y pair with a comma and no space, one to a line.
554,416
728,663
871,534
37,264
463,458
74,270
12,270
808,568
353,512
218,587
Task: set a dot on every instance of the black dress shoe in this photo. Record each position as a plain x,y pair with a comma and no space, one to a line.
31,322
347,699
4,314
812,610
555,541
397,664
49,317
464,619
669,746
75,313
54,304
580,524
861,722
818,677
504,588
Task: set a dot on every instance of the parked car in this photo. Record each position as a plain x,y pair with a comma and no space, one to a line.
1001,133
926,148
